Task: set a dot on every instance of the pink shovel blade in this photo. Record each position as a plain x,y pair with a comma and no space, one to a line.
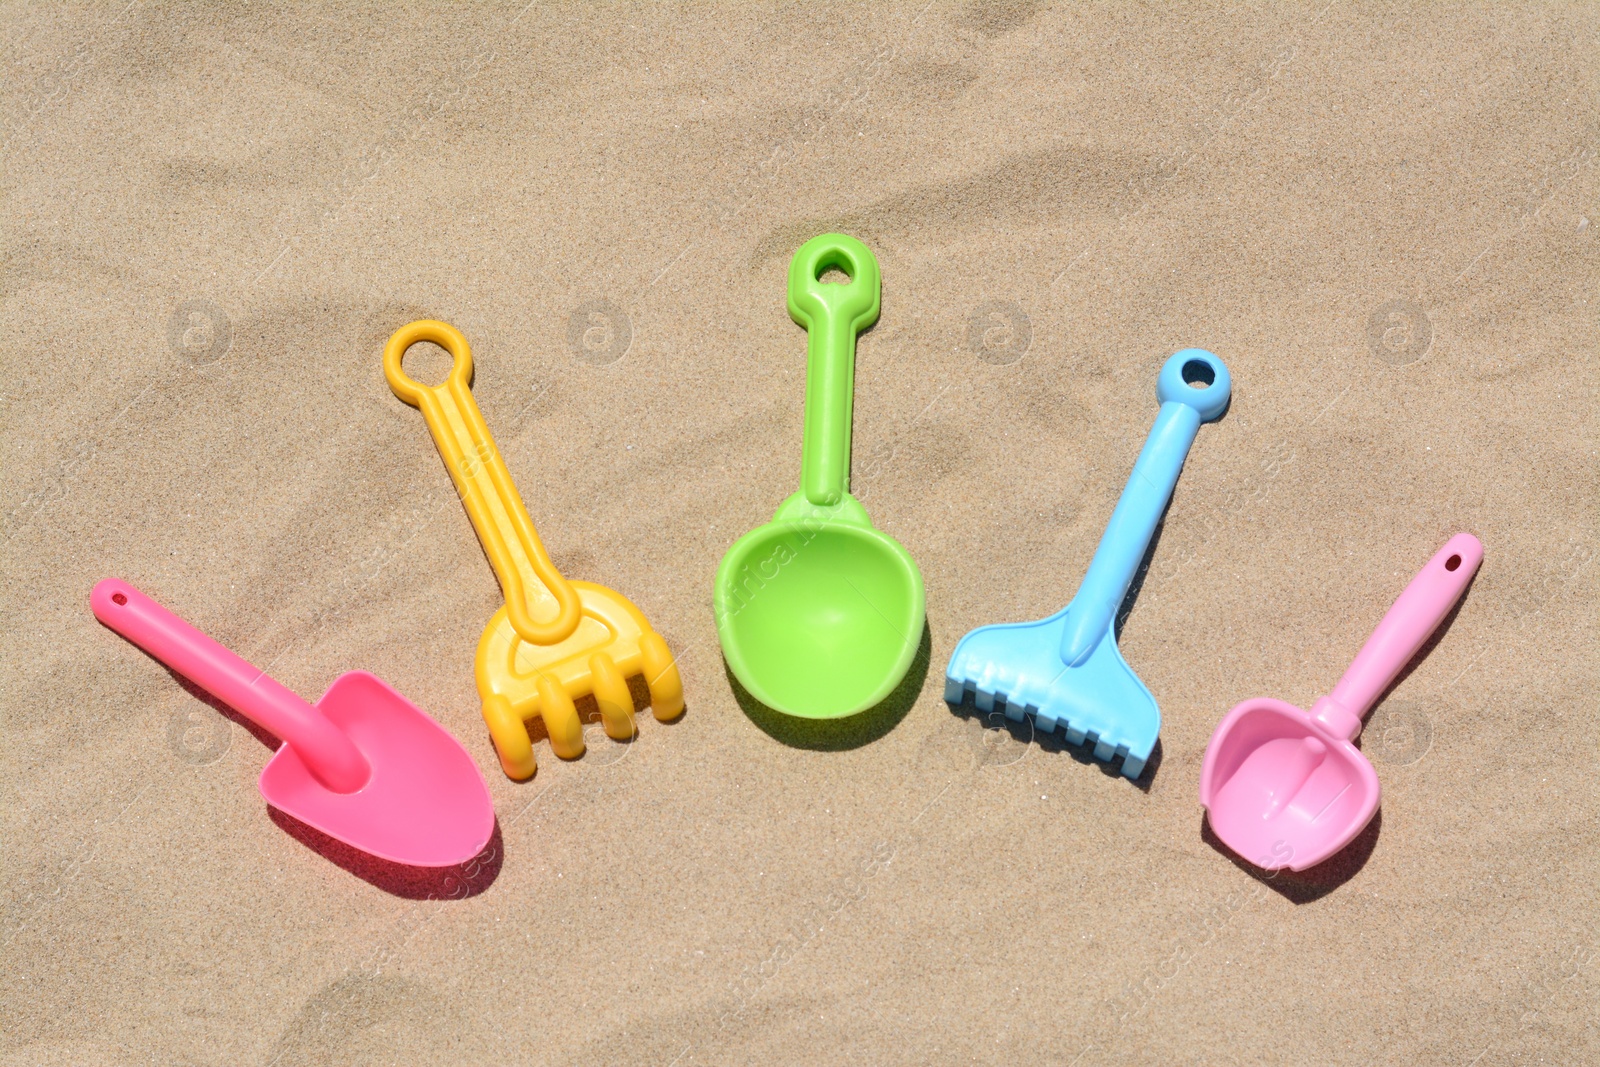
425,804
1281,790
1284,788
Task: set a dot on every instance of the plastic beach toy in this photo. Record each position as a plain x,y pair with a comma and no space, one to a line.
363,765
1066,670
554,641
1286,789
819,614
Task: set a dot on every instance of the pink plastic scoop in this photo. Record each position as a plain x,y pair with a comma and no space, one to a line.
364,765
1286,789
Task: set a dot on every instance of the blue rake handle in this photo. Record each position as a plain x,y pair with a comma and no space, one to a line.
1184,406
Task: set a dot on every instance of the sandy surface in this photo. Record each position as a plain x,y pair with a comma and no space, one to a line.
1385,221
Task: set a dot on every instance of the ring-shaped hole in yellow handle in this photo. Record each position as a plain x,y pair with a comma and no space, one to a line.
442,334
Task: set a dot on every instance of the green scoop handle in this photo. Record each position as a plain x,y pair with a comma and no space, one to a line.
832,314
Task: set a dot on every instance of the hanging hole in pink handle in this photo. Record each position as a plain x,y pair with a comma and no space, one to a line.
118,598
1452,563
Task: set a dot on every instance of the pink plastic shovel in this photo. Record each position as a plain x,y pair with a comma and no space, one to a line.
365,765
1286,789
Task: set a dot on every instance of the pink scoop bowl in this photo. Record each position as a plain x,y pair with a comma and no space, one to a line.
364,765
1284,788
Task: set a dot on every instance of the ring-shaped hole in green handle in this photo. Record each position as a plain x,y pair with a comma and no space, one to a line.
836,259
852,305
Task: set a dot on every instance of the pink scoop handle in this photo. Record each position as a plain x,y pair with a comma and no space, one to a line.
331,756
1408,625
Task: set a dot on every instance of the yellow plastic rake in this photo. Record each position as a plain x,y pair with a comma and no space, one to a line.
555,641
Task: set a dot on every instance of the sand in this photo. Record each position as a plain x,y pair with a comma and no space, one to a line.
1382,218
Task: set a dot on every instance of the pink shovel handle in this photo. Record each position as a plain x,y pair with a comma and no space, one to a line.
1408,625
327,752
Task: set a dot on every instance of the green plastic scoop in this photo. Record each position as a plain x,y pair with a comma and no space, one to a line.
819,614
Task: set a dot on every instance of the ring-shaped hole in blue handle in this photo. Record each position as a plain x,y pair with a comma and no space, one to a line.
1197,378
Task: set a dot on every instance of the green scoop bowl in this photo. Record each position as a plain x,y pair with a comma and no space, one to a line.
819,614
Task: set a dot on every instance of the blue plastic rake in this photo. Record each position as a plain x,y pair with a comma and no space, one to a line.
1066,670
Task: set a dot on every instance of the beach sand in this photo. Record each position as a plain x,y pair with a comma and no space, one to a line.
1382,218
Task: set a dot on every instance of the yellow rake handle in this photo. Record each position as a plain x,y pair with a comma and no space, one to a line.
527,577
